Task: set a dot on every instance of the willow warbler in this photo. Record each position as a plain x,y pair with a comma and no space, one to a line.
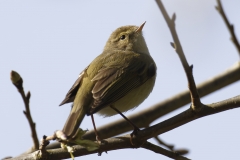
119,79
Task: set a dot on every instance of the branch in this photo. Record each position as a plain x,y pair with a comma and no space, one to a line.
188,116
124,141
230,27
18,83
111,144
196,103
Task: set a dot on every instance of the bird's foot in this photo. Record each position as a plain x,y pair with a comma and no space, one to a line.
60,136
100,141
134,133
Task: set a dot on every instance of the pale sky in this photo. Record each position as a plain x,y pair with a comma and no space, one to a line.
50,42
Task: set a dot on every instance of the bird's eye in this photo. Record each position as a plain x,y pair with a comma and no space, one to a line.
122,37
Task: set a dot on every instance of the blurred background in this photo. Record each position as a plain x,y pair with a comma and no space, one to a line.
50,42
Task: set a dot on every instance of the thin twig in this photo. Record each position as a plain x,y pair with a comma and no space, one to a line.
196,103
169,146
181,151
167,153
18,82
230,27
27,113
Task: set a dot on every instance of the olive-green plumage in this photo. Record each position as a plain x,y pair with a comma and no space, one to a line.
122,76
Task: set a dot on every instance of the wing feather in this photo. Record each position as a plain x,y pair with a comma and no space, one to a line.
70,96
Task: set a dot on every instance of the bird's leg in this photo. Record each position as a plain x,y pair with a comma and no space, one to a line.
95,129
135,128
130,122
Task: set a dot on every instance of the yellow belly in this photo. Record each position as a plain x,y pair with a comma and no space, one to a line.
134,98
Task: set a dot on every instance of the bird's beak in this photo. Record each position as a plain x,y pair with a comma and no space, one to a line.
140,27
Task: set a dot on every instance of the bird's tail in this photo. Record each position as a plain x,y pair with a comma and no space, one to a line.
74,119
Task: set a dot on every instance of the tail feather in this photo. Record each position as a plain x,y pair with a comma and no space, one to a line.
74,120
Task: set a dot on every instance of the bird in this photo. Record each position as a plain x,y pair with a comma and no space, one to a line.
117,80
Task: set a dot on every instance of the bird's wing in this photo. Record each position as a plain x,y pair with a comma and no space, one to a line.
70,96
113,82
